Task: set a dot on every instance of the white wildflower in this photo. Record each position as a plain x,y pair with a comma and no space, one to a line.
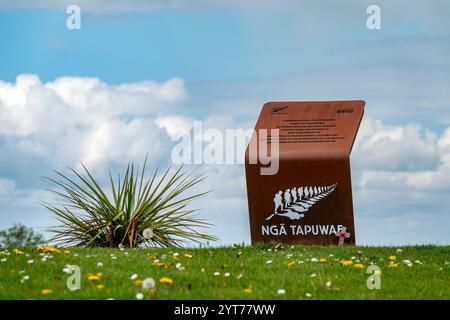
148,233
148,283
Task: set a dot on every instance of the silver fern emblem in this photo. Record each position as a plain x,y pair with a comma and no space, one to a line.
294,203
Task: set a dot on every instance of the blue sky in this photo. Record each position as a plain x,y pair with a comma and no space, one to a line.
219,63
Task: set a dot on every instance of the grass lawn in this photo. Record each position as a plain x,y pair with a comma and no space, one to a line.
239,272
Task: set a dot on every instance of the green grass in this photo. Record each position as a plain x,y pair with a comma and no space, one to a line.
428,279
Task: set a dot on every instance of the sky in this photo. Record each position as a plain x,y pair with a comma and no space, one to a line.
138,73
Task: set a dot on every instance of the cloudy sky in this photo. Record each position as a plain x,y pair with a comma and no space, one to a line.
140,72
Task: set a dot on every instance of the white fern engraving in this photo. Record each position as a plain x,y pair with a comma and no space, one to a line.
294,203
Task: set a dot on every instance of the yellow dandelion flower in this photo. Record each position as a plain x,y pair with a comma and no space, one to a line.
100,286
166,280
47,291
66,251
347,263
94,277
17,251
49,249
187,255
153,257
359,266
248,290
392,258
162,264
394,265
292,263
323,260
137,282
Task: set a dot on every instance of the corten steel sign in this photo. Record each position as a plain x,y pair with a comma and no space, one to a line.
309,199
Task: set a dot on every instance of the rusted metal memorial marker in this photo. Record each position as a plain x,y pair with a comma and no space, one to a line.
309,199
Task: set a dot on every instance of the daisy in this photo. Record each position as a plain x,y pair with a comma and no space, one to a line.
67,269
134,276
179,266
139,296
407,262
99,264
268,261
226,274
281,291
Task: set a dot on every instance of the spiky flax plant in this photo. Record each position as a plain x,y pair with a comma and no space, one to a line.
90,216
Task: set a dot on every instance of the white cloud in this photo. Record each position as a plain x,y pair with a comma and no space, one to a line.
7,186
175,125
76,119
396,148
